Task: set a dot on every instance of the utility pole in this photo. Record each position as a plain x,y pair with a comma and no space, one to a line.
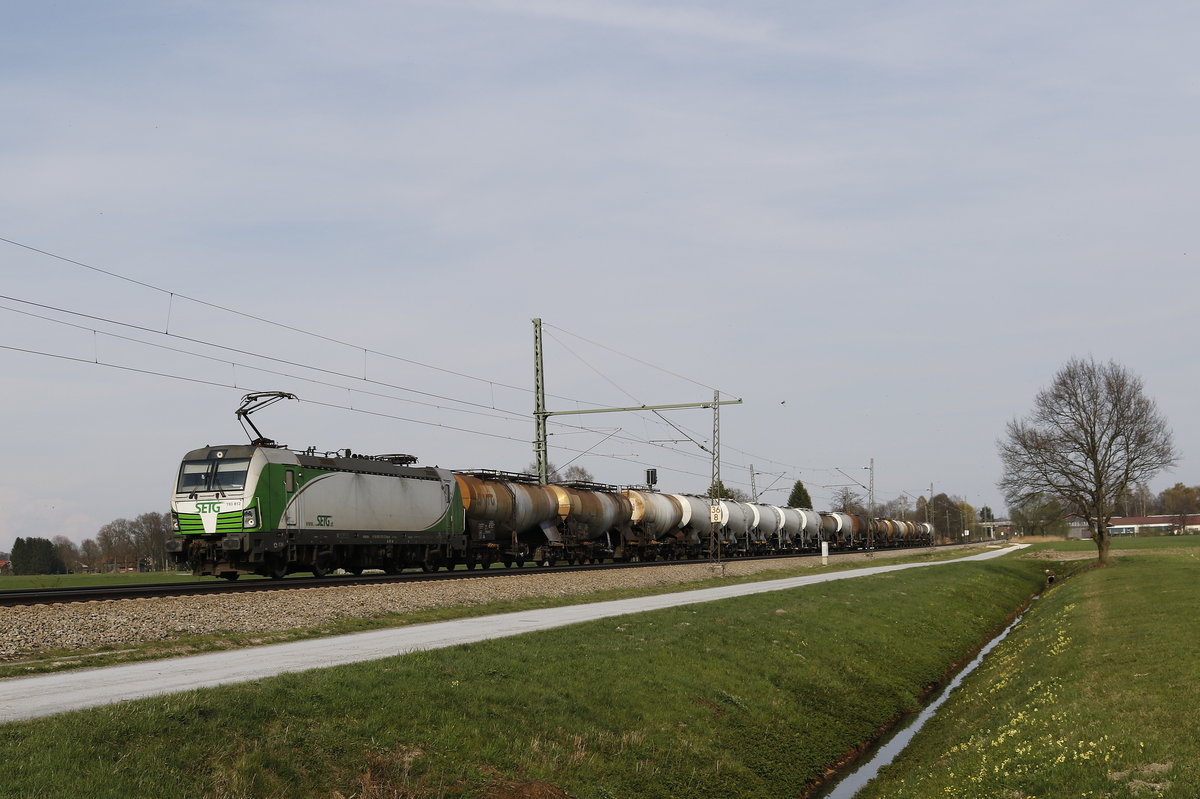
714,506
871,490
540,413
933,534
539,406
871,508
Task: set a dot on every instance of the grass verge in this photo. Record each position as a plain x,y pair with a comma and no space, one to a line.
749,697
1092,695
1119,544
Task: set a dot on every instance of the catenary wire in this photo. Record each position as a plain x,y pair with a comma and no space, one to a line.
358,348
340,342
513,415
365,350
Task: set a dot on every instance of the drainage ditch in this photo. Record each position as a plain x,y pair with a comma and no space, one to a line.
884,751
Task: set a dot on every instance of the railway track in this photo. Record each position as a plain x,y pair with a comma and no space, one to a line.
75,594
94,593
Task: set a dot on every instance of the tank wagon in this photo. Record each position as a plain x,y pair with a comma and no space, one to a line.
263,509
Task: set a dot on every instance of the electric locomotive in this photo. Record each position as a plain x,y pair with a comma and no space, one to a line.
259,508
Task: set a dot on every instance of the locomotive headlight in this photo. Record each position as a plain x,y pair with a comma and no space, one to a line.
250,518
174,523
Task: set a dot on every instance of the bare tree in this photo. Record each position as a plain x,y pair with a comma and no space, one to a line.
116,543
898,508
1091,436
68,551
569,474
149,533
1039,515
722,491
847,500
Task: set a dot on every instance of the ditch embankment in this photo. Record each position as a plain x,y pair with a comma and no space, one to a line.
1092,694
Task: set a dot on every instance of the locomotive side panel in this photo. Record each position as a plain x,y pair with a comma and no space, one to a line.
338,501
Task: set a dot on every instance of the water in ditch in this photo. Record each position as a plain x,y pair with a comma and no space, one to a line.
893,743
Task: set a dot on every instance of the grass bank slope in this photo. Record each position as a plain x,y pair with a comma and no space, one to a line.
1094,694
749,697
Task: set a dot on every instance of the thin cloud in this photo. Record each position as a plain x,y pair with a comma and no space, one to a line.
678,21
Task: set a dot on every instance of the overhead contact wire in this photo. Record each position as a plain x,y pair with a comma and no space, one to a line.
263,320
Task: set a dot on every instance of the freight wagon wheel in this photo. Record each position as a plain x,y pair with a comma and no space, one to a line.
320,571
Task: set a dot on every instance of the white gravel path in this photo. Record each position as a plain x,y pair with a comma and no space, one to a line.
43,695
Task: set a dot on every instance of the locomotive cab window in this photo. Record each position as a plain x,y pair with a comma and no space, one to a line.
227,474
193,476
230,475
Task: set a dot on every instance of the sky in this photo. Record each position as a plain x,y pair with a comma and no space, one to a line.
882,226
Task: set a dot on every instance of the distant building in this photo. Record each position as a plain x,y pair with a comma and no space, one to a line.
1176,524
1001,528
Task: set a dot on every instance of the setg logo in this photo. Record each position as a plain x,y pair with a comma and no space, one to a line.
324,521
208,507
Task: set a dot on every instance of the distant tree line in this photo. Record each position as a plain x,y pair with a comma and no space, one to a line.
1042,514
1174,501
120,544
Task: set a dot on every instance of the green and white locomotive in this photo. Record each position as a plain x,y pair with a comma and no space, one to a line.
260,508
263,509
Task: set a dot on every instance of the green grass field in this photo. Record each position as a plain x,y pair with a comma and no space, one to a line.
749,698
1124,542
1092,695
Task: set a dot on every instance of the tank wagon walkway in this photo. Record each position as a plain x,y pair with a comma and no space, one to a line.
44,695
